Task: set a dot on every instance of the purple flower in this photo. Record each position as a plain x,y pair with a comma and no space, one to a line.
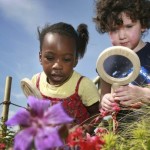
40,125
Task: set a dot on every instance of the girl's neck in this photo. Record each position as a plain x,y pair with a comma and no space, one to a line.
139,46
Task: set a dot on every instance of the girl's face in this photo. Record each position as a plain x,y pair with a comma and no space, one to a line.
58,57
128,35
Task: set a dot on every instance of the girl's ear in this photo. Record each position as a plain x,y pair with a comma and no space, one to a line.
40,57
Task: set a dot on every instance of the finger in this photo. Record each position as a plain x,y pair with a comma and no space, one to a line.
106,107
120,89
123,98
126,103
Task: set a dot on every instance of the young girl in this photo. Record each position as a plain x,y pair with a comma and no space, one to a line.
125,21
60,48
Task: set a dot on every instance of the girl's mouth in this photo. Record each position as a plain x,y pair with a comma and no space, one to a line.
57,77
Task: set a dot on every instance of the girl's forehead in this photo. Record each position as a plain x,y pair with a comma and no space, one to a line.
49,36
58,41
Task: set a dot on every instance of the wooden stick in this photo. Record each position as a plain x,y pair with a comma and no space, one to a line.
6,101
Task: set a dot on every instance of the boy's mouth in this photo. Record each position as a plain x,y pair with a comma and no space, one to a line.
124,44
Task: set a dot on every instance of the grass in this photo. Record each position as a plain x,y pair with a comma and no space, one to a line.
134,135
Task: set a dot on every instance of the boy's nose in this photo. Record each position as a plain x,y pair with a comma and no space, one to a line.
122,34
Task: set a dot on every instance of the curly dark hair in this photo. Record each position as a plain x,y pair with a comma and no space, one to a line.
81,36
108,13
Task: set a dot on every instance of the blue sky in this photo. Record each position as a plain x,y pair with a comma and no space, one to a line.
19,45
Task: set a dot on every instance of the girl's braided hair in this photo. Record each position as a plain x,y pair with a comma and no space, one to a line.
81,36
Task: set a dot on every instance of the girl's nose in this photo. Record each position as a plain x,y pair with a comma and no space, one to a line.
57,65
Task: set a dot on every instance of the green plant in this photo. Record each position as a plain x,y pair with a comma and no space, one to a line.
6,137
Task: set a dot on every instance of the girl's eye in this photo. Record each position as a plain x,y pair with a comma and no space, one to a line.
67,59
50,58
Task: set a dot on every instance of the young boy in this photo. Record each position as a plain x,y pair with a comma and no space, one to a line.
125,21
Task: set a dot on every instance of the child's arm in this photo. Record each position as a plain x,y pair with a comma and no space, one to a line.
93,109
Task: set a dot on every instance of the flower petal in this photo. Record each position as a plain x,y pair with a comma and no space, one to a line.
38,106
47,138
24,139
22,117
56,115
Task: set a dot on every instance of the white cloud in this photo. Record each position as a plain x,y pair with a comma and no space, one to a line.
26,12
18,96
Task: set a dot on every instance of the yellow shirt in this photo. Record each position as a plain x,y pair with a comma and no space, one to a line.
87,89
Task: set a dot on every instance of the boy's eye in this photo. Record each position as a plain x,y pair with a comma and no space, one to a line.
129,26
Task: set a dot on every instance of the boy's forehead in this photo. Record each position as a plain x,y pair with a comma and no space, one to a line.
120,19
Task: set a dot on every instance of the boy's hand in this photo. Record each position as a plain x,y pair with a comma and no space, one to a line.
129,95
107,102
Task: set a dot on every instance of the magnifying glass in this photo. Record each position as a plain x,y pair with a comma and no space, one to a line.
29,89
118,65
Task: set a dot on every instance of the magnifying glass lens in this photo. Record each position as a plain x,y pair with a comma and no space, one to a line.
118,66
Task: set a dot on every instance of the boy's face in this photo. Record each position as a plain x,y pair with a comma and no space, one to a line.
58,57
128,34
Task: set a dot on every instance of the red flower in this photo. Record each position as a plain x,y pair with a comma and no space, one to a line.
2,146
92,143
84,141
116,107
103,112
75,136
99,131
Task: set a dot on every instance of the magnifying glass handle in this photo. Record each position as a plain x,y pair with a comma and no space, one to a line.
114,86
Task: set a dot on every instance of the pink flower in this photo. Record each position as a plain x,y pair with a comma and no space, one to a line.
40,125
